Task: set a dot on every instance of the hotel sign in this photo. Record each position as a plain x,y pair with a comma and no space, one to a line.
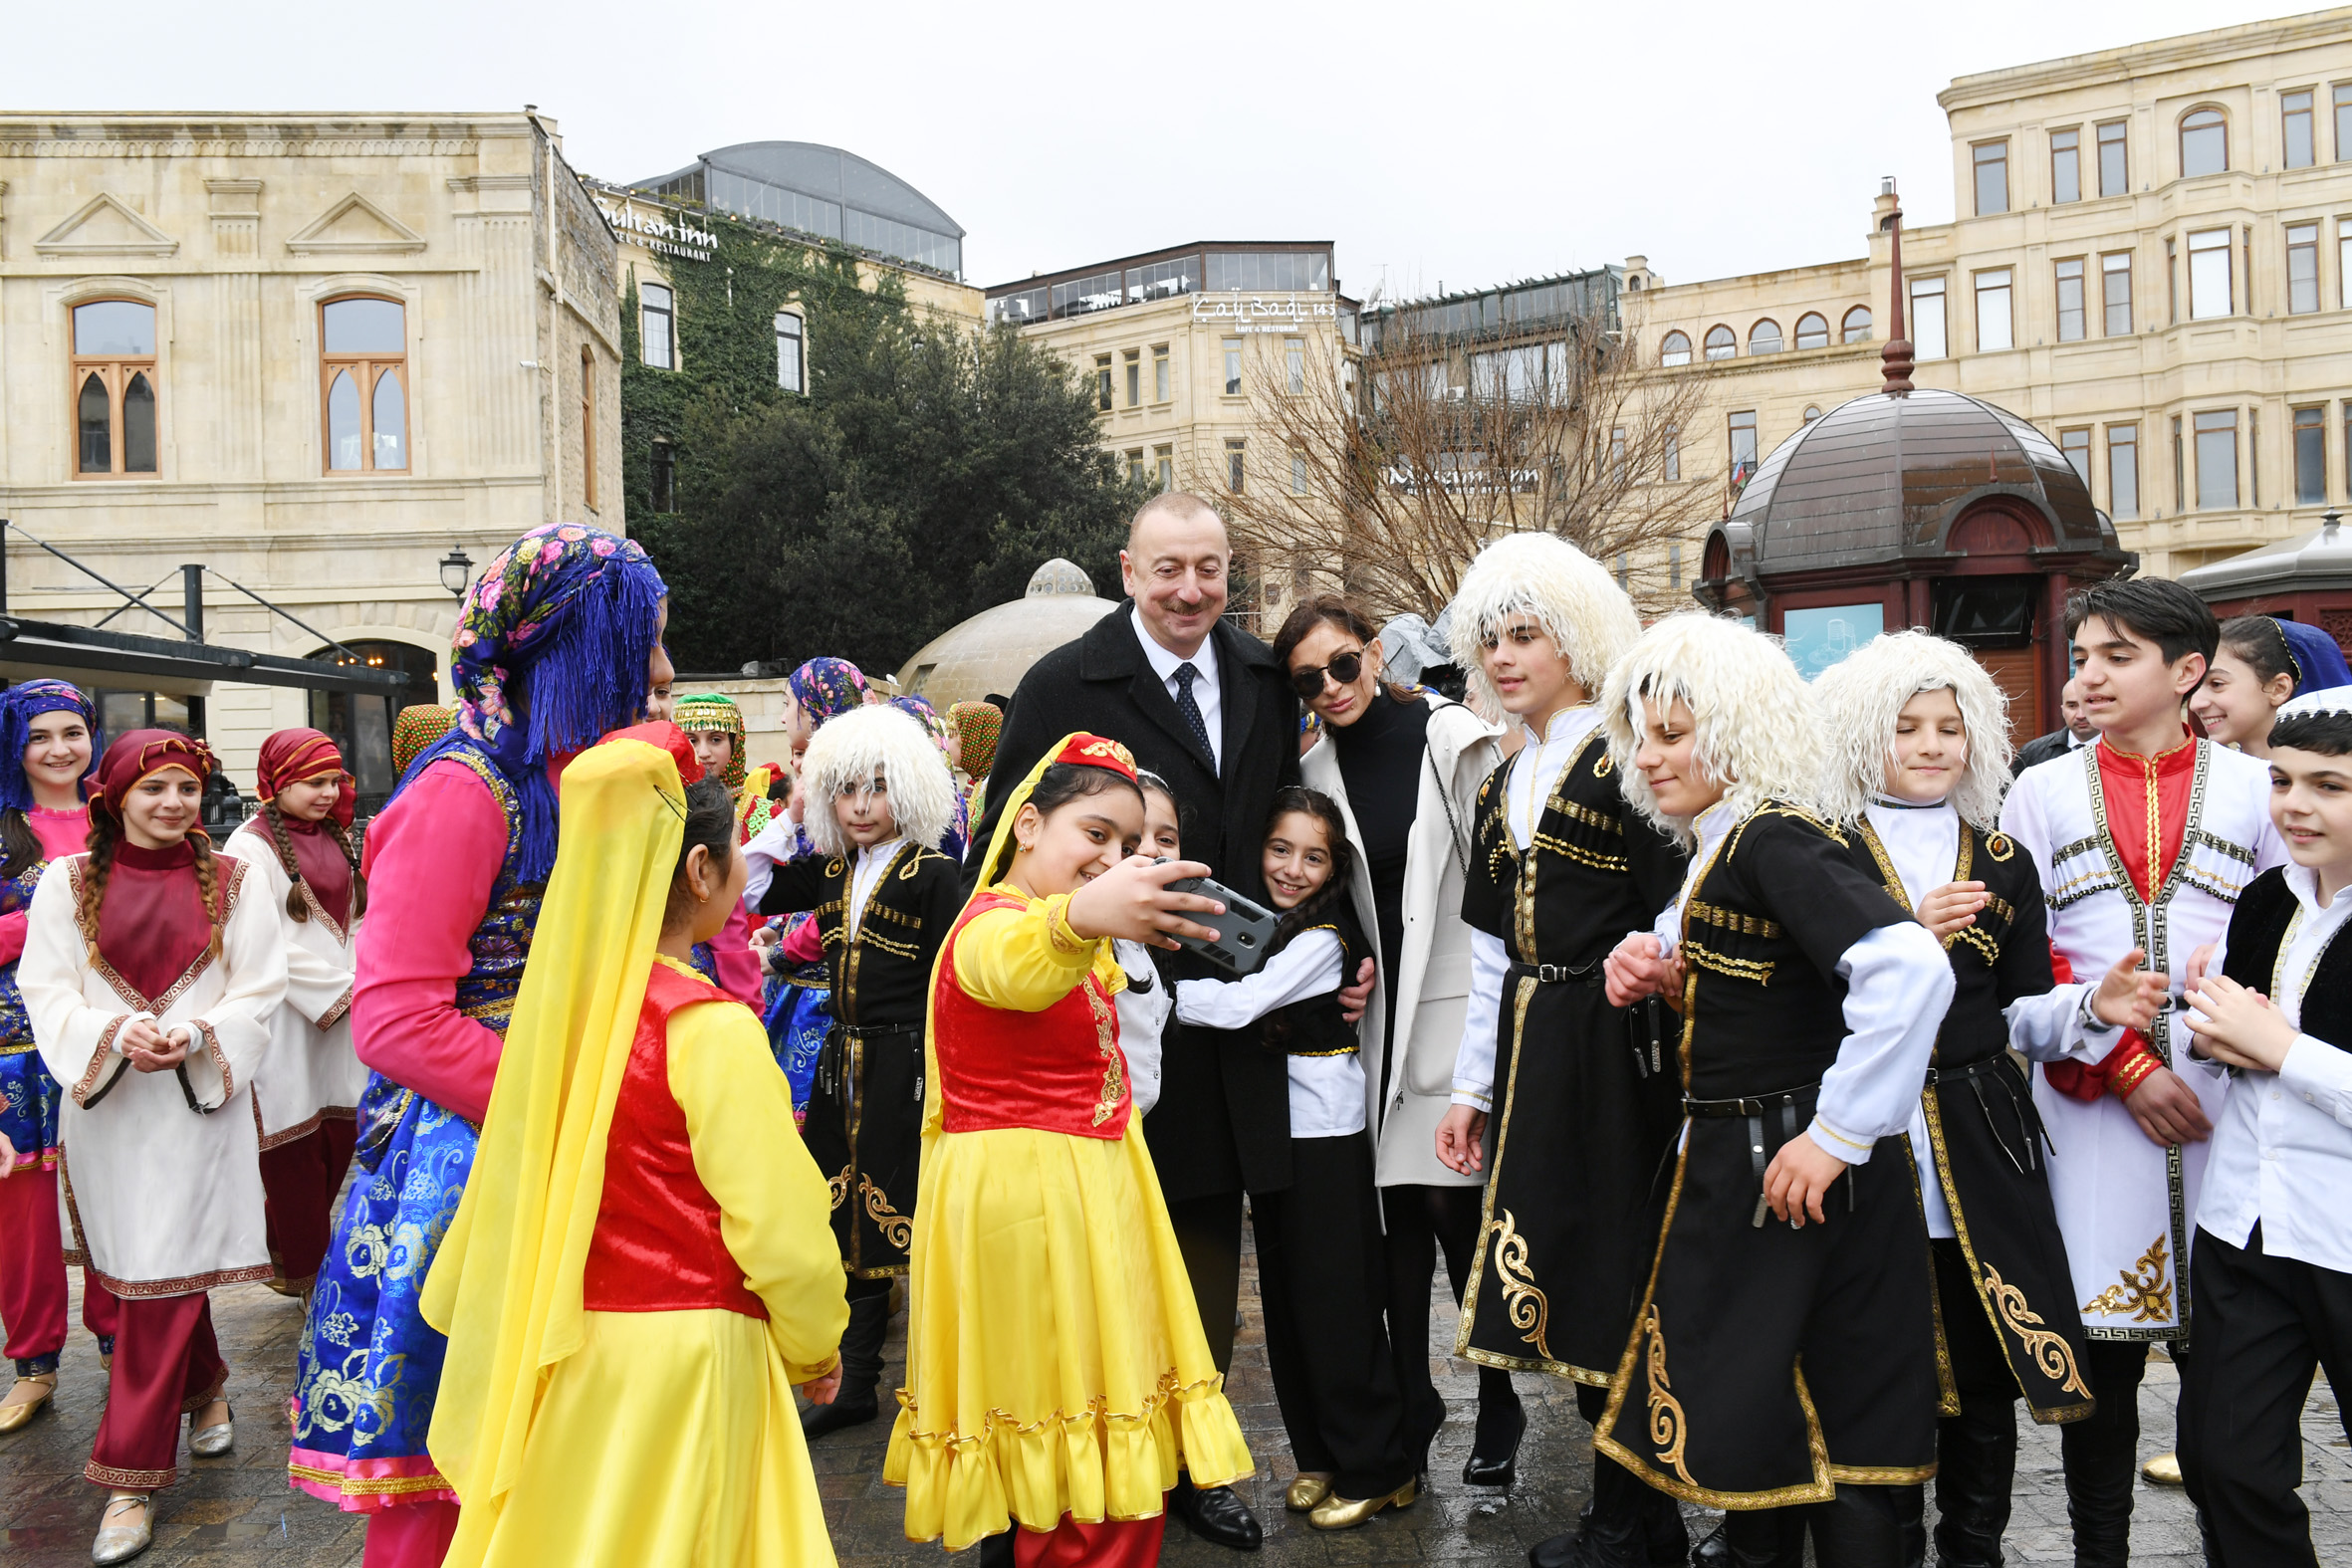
1262,313
661,236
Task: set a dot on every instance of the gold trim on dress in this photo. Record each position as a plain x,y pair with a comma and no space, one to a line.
2141,1290
1527,1308
2049,1351
1668,1428
898,1228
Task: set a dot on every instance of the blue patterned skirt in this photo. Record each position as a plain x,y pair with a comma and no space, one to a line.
29,1102
798,1018
370,1365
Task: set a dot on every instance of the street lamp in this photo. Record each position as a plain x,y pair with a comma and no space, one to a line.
457,570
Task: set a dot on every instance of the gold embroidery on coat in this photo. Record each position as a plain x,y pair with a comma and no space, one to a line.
896,1228
839,1186
1526,1306
2142,1291
2049,1351
1669,1428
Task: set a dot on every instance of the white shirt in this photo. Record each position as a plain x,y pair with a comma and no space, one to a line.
1924,844
2282,1143
1326,1092
1205,693
1708,829
1143,1009
1525,787
872,861
781,840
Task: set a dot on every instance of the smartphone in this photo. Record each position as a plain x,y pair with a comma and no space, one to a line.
1245,932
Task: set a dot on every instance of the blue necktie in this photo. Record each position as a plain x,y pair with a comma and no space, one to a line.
1185,676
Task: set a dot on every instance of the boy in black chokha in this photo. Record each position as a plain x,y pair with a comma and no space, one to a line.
1782,1359
1918,761
879,797
1569,1101
2274,1254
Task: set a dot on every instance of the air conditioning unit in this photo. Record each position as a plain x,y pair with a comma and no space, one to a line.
1454,394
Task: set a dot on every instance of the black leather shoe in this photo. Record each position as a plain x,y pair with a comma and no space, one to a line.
1217,1514
1493,1451
817,1420
995,1551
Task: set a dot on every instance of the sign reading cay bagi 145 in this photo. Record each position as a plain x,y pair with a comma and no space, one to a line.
662,237
1262,313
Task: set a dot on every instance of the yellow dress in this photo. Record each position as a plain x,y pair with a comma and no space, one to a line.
1055,1362
670,1440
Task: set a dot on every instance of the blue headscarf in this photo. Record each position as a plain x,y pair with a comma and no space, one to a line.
564,618
2318,663
20,705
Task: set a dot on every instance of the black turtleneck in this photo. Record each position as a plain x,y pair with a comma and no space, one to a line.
1380,760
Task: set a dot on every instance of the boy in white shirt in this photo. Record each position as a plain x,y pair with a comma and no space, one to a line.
2272,1265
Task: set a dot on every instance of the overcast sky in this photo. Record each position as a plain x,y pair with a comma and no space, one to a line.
1460,144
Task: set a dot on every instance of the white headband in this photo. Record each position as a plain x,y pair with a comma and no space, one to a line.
2334,698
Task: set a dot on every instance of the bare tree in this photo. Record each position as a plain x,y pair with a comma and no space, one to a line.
1392,471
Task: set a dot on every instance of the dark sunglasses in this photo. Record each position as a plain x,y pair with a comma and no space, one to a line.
1309,684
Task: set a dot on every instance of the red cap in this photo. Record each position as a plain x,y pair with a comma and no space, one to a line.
1094,750
669,737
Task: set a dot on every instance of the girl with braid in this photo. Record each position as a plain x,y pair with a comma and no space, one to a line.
49,745
299,845
150,973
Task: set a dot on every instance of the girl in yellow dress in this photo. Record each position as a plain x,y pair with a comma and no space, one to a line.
1057,1373
641,1269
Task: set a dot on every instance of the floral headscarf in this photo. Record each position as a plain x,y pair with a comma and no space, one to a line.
571,612
978,724
959,830
713,711
20,705
419,726
828,688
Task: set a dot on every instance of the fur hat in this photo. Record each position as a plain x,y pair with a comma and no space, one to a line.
1571,595
1861,696
1759,726
855,745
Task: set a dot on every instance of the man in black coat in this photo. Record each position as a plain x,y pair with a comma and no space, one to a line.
1205,706
2077,731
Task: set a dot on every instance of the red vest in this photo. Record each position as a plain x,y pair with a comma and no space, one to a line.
1060,1071
657,1247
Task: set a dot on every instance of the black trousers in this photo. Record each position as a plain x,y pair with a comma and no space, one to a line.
1421,1222
1209,1234
1977,1450
2100,1454
1861,1527
1322,1277
2262,1324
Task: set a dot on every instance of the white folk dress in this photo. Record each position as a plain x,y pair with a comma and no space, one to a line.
159,1200
310,1071
2126,1206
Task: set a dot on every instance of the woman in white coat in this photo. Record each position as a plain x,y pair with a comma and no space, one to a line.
1405,766
299,850
149,972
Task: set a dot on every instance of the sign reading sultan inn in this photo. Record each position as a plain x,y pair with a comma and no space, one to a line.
662,237
1258,312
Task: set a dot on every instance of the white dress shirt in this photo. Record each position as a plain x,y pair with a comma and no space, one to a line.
2282,1143
1143,1009
1924,844
872,861
781,840
1525,787
1326,1092
1205,691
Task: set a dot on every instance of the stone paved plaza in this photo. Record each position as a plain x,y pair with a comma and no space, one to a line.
238,1510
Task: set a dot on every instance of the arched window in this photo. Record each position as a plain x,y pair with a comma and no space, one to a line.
364,381
114,387
1812,412
1857,325
1812,330
1765,336
2205,142
1721,342
1675,349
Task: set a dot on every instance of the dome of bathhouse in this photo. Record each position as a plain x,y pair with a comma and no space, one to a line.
992,651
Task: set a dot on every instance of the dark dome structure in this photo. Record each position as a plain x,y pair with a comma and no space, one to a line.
1916,507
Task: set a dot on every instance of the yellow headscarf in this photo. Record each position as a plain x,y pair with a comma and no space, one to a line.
506,1287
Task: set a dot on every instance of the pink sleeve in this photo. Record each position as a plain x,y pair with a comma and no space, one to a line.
804,944
12,937
431,862
737,964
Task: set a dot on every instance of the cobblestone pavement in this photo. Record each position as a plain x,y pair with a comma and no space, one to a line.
238,1510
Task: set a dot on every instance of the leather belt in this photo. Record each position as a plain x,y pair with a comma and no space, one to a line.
2030,1127
831,1060
1781,1105
1647,1058
1588,974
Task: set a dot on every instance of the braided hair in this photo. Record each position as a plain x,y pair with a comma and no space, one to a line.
295,905
105,836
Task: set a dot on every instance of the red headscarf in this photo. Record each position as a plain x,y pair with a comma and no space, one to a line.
291,756
140,754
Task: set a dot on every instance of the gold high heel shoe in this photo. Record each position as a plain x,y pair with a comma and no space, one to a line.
1335,1512
2163,1469
1312,1487
16,1413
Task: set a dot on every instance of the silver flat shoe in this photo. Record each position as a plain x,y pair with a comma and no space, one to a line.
122,1542
210,1443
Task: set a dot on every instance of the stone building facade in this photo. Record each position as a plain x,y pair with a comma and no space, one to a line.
318,354
2151,263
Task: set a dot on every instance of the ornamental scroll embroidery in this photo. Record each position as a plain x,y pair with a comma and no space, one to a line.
839,1186
896,1228
1107,1041
1668,1428
2049,1351
2142,1291
1522,1304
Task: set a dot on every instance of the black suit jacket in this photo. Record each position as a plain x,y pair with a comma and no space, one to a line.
2039,749
1223,1122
